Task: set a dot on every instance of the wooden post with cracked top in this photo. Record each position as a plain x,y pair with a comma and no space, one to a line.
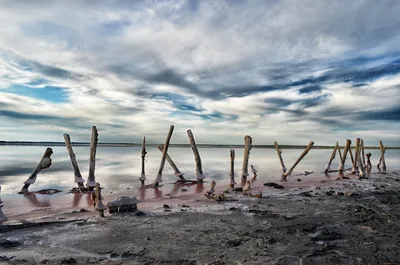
308,148
91,181
245,168
164,156
77,173
178,173
199,169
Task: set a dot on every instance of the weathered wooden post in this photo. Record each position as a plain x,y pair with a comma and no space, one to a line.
363,153
361,172
340,152
308,148
77,173
352,161
144,152
356,154
91,181
199,169
254,172
44,163
232,182
99,201
279,152
178,173
3,217
382,156
345,151
163,157
245,167
369,165
328,167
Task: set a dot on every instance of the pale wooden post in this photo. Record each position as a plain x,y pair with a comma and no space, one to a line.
279,153
164,156
383,156
199,169
232,182
178,173
100,207
340,152
91,182
361,172
308,148
328,167
352,160
247,148
3,217
144,152
77,173
346,150
44,163
356,154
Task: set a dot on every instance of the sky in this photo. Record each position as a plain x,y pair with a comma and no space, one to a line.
288,71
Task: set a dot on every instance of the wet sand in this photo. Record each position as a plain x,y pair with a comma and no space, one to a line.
346,221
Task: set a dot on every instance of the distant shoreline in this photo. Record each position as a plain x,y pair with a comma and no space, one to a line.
28,143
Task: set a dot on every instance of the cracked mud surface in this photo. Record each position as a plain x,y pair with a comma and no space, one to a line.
312,227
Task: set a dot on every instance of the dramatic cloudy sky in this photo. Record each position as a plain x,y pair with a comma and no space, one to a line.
288,70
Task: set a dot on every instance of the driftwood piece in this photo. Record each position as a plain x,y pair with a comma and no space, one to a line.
143,152
3,217
340,152
308,148
279,153
199,169
91,181
178,173
333,155
345,151
232,181
382,156
164,156
100,207
77,173
44,163
245,167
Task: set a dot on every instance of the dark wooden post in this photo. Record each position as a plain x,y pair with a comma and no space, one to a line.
99,201
77,173
3,217
369,165
279,153
164,156
308,148
382,156
328,167
44,163
346,150
363,153
232,182
245,167
178,173
199,169
144,152
91,181
254,172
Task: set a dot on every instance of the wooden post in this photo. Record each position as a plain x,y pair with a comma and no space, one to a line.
352,161
279,152
363,153
246,188
77,173
308,148
91,182
245,167
44,163
369,165
3,217
232,182
383,156
328,167
99,201
356,154
361,172
144,152
178,173
199,169
254,172
340,152
164,156
346,149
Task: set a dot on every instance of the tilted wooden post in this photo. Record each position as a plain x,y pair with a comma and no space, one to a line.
77,173
100,207
308,148
328,167
363,153
382,156
3,217
44,163
352,160
164,156
199,169
232,181
340,152
178,173
279,152
253,169
346,150
91,181
144,152
247,148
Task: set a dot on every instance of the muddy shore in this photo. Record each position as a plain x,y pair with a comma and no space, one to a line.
319,225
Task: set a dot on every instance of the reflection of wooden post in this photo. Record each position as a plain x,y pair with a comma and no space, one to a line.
144,152
328,167
232,175
279,152
247,148
91,182
199,169
171,162
363,153
44,163
346,150
3,217
382,156
77,173
164,156
340,152
308,148
99,201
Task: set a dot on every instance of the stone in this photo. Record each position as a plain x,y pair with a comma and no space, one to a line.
274,185
123,204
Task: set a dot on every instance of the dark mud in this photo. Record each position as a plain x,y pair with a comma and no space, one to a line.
314,227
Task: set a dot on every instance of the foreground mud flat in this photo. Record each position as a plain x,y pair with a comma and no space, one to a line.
358,223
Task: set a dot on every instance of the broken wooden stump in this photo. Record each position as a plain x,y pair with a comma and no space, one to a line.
164,156
3,217
199,169
210,193
178,173
44,163
382,156
144,152
279,153
232,181
246,187
345,151
245,167
369,165
333,155
123,204
308,148
99,201
254,171
91,182
77,173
